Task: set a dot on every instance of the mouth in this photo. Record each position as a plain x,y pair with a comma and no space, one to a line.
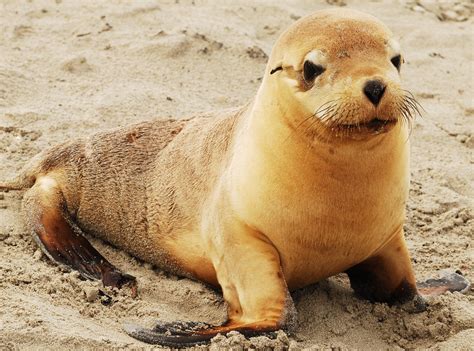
374,126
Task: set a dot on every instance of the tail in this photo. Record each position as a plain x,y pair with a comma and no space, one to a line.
27,176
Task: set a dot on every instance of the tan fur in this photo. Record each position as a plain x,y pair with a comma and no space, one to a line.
263,198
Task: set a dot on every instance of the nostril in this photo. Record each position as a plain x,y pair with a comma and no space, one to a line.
374,90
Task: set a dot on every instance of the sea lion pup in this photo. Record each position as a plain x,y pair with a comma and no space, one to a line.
308,180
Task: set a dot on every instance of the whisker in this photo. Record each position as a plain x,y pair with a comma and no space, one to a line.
333,114
321,110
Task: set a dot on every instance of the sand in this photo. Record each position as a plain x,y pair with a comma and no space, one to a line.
68,70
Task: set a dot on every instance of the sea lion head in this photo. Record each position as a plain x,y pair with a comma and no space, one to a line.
337,72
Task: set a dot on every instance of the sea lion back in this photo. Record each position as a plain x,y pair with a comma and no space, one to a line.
114,182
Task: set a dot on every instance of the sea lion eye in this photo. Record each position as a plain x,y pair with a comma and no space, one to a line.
397,61
311,71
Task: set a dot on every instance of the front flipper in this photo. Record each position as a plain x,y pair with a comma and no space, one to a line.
448,282
63,241
181,334
249,271
388,277
176,334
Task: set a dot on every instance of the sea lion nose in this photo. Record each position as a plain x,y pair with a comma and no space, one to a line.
374,90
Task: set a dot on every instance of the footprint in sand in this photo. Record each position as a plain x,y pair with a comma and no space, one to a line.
76,65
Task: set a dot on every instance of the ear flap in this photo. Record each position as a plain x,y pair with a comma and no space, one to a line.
276,69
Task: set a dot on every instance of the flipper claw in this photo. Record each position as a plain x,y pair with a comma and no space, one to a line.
180,327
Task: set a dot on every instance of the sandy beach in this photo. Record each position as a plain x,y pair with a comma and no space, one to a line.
72,68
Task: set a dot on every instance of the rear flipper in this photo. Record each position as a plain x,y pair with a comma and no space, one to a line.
63,241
